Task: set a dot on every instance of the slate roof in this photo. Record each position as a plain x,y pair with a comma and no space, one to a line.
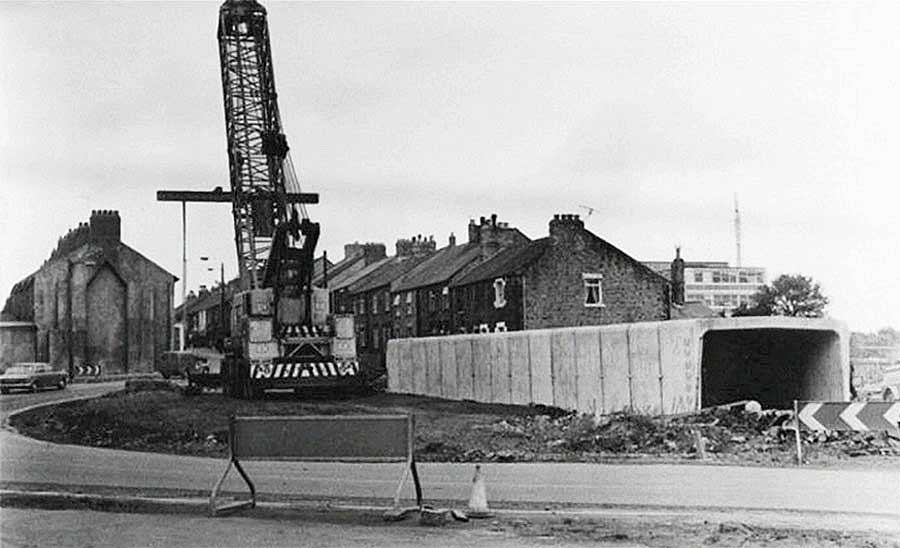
334,270
387,272
439,268
508,261
347,277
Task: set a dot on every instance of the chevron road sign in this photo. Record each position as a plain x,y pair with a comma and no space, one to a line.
876,416
87,370
859,416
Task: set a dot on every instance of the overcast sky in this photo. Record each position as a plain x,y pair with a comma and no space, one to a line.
412,118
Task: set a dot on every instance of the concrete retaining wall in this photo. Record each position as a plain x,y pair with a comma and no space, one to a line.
647,367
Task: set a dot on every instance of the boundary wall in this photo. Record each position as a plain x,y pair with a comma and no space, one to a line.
646,367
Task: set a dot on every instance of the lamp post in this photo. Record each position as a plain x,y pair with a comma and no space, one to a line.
221,328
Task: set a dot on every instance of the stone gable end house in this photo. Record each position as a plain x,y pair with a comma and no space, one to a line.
570,278
96,301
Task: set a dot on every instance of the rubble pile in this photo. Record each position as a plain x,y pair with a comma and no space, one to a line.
739,433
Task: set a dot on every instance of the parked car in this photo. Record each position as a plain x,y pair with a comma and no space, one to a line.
32,376
199,366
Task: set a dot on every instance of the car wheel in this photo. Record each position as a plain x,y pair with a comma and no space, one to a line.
34,386
61,384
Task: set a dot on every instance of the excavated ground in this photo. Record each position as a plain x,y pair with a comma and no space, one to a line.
160,417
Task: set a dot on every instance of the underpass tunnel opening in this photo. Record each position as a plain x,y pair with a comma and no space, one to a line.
771,366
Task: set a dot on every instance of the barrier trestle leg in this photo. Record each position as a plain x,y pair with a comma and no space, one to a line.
397,512
216,509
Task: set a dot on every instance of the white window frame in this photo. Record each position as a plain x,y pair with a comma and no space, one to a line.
499,293
589,280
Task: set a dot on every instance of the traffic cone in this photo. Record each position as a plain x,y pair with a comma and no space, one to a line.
478,506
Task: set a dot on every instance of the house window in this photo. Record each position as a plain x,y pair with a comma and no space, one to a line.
698,276
376,338
593,292
409,300
742,277
387,301
375,303
499,293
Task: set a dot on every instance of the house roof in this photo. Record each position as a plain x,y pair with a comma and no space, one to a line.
439,268
387,272
335,270
348,277
508,261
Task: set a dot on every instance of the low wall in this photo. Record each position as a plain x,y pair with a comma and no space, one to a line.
647,367
17,343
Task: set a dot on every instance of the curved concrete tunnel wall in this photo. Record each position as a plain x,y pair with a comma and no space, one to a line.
647,367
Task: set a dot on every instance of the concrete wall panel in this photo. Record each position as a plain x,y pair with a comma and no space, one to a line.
678,362
419,364
647,367
407,366
541,367
614,356
500,370
433,379
519,369
449,378
565,373
588,366
465,373
481,365
643,354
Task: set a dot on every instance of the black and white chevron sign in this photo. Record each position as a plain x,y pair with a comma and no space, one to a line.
87,370
858,416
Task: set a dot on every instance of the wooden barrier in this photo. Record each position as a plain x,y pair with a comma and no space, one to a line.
337,438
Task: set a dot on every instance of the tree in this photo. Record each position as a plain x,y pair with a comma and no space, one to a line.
788,295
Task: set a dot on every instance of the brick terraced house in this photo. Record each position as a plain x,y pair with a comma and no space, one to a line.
570,278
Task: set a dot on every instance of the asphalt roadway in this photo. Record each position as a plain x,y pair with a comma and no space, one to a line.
863,492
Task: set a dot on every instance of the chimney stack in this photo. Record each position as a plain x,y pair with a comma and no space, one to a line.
106,227
678,278
565,226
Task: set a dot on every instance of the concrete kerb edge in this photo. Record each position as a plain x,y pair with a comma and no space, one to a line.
9,428
56,500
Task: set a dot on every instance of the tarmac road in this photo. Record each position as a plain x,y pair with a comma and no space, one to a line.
27,461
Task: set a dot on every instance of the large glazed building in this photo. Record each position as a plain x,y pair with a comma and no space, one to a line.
716,284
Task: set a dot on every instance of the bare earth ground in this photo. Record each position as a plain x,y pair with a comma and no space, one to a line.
168,421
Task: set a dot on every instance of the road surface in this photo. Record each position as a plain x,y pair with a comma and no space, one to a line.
27,461
71,528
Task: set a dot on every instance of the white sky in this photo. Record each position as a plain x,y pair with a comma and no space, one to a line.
412,118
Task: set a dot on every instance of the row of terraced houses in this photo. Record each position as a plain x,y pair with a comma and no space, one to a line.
499,279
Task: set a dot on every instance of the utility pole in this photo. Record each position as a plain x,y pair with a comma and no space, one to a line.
737,229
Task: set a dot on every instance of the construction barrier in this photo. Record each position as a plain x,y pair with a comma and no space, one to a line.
646,367
844,416
340,438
